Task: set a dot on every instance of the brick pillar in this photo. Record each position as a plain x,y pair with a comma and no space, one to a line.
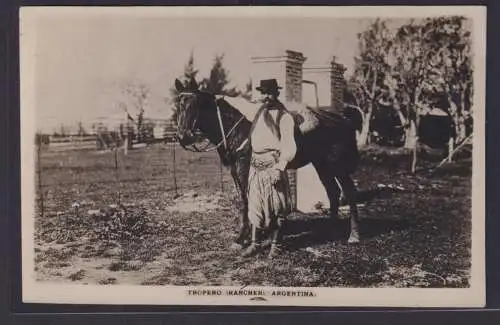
293,76
337,85
293,91
287,70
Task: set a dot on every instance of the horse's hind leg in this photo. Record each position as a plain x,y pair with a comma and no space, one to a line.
332,189
350,193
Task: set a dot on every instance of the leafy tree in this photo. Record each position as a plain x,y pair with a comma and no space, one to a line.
451,69
412,71
432,59
371,66
218,80
410,78
190,72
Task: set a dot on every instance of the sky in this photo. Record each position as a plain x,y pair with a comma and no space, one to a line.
83,62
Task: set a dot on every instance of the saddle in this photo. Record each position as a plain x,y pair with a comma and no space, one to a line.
306,119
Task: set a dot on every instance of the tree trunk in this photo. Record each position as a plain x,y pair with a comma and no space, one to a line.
411,142
461,132
411,135
414,159
402,118
451,147
364,135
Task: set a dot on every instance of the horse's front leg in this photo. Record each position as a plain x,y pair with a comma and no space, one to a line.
349,190
243,238
240,177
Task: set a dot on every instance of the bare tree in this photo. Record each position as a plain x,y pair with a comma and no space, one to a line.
81,130
63,131
138,95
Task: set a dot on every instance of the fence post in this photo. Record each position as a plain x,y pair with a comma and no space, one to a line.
117,172
175,175
39,174
126,133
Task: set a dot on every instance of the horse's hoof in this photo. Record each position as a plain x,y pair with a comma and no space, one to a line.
236,246
353,240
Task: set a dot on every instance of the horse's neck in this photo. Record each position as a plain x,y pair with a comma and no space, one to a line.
230,117
235,126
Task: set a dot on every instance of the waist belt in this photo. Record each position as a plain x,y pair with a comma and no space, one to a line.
264,160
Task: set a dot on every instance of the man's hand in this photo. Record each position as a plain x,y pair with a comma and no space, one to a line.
276,176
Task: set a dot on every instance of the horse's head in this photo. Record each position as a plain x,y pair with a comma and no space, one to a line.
190,106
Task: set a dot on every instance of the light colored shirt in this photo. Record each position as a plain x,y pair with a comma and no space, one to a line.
263,139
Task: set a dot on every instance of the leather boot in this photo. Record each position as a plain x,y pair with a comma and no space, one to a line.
277,239
256,245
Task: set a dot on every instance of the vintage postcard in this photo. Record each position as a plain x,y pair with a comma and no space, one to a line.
262,156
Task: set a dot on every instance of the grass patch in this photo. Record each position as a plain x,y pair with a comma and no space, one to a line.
415,236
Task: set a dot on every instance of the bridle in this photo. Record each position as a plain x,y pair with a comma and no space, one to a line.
193,147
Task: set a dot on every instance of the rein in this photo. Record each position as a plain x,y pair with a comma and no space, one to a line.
223,134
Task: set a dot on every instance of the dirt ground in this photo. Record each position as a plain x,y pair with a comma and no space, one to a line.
415,228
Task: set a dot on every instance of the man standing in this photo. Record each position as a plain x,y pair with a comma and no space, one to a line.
273,147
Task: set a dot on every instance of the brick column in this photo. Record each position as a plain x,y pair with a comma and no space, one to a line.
293,73
337,84
287,70
293,93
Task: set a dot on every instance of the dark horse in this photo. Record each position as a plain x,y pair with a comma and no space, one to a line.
331,148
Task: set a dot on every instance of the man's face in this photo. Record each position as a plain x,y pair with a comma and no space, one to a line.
267,96
263,97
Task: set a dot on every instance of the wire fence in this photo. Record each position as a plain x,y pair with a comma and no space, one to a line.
77,174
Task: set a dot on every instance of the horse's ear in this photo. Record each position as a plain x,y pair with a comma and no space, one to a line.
178,85
193,85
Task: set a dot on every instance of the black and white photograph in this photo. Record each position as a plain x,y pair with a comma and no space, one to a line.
261,156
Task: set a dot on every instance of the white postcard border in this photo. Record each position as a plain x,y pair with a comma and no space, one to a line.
36,292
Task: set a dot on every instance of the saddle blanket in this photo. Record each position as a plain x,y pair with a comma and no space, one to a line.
302,114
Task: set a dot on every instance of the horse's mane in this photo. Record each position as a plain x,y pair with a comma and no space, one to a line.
240,105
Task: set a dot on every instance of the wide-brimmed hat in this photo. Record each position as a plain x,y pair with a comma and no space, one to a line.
268,86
